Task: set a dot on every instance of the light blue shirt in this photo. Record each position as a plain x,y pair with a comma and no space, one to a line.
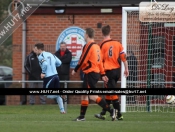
48,63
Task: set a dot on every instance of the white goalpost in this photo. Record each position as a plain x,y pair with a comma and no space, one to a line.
151,58
124,43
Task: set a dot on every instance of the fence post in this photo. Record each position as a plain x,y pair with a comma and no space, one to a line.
65,103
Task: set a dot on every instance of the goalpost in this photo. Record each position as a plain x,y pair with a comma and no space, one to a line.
151,50
124,43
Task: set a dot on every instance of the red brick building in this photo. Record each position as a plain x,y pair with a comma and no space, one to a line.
45,25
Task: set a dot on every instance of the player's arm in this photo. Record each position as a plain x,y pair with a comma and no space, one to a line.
43,64
126,72
57,62
101,67
102,54
102,72
124,60
83,59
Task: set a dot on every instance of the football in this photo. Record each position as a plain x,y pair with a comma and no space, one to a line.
170,99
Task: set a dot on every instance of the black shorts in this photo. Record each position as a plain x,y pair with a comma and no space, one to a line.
51,82
113,76
90,80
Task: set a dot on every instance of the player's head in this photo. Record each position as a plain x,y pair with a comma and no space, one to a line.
106,30
39,47
63,46
89,34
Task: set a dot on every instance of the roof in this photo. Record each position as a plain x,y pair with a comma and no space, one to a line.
87,3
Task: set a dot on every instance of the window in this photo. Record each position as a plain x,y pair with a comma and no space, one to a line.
158,51
7,71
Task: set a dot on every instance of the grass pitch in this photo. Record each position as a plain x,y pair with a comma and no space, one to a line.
46,118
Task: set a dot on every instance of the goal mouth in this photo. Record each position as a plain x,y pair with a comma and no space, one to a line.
150,47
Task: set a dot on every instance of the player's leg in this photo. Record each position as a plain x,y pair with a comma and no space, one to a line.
83,108
53,82
108,99
102,114
63,78
116,105
84,102
60,104
60,86
56,84
92,81
111,74
102,103
115,98
111,84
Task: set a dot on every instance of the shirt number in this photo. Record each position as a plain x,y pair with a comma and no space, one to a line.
110,52
49,59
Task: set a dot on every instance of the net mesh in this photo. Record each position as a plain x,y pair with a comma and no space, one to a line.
151,61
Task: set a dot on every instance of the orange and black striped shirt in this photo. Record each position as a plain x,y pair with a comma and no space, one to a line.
90,60
111,50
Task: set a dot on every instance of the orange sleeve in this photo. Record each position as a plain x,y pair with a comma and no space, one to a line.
122,53
101,67
83,59
102,54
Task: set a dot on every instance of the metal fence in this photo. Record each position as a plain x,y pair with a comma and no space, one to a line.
132,103
18,84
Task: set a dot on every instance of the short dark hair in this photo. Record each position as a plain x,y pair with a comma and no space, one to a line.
63,42
90,32
40,46
106,30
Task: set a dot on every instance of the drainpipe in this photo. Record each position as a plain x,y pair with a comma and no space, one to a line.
23,52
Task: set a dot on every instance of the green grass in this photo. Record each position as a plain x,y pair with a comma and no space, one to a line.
46,118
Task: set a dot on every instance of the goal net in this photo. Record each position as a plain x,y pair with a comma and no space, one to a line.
151,60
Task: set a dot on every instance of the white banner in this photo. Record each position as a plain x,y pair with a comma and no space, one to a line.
157,11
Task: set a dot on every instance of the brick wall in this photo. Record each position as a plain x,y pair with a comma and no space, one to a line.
47,28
